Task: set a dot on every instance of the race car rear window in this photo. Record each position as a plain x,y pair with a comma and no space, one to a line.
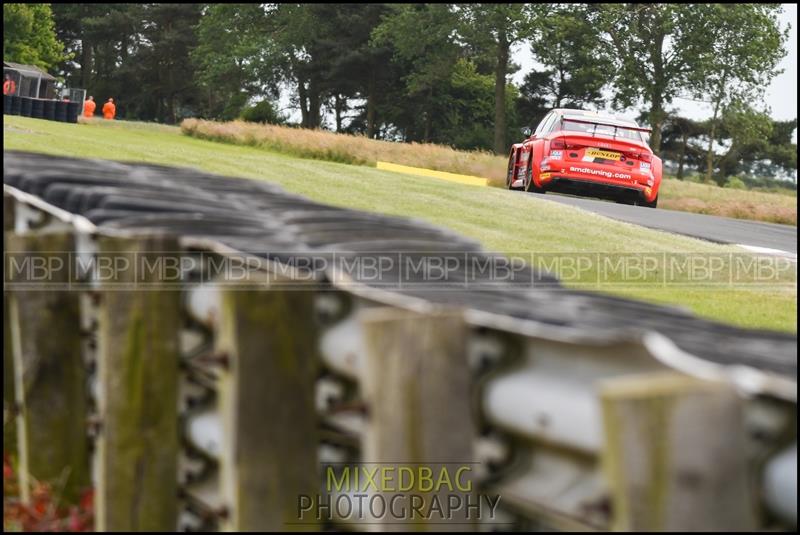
544,126
602,130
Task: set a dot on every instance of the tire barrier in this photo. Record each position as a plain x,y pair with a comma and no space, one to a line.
27,106
50,110
61,111
73,110
174,200
37,108
543,390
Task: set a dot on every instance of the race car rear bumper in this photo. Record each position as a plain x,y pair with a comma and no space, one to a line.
598,179
596,188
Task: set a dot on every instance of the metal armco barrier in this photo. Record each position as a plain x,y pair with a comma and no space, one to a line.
213,405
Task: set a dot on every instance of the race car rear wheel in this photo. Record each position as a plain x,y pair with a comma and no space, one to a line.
530,186
652,204
510,173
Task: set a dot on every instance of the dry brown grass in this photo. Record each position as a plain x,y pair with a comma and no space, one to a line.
318,144
360,150
740,204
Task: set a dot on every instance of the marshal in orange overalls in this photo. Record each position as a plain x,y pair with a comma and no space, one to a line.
89,107
9,87
109,110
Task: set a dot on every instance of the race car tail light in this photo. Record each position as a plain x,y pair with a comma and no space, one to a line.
645,157
558,144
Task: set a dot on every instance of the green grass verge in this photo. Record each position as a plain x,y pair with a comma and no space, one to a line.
503,221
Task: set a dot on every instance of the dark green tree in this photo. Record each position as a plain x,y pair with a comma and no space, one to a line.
296,47
74,33
652,50
262,112
755,145
574,69
103,40
746,132
420,37
781,151
162,66
492,30
680,142
357,66
230,64
736,61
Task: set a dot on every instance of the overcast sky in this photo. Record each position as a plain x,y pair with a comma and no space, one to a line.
781,96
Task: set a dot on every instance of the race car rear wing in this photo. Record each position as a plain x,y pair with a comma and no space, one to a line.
601,123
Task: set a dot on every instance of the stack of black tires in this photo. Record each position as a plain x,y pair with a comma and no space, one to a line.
40,108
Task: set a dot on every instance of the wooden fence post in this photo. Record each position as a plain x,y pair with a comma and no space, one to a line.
136,460
417,390
49,373
675,455
9,410
266,399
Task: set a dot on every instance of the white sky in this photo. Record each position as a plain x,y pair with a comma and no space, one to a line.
781,96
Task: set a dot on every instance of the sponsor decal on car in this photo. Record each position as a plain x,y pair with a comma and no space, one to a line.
644,165
591,154
544,176
599,172
556,154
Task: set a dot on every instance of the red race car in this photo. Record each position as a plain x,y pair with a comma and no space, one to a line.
585,153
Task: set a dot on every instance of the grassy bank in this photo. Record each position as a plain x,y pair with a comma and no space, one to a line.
344,148
503,221
740,204
317,144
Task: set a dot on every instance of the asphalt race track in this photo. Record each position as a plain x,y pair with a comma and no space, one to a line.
707,227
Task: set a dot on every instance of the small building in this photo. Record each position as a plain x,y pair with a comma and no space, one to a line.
31,81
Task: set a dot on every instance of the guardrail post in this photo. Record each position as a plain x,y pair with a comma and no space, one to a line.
675,455
49,373
136,461
417,389
266,399
9,410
